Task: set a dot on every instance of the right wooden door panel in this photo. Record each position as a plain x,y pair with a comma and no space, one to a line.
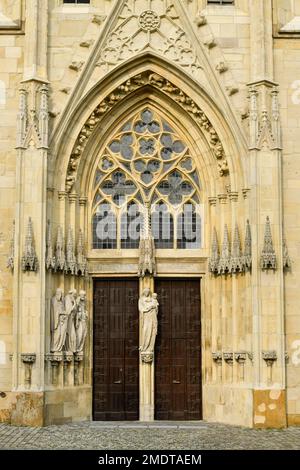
178,392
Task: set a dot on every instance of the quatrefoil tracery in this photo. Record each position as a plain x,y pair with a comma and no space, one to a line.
148,159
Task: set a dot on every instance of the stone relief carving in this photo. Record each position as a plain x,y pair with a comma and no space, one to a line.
130,85
58,321
264,119
148,308
268,257
147,262
32,121
139,30
11,257
29,259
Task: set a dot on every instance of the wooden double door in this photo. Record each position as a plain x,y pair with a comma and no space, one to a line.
177,351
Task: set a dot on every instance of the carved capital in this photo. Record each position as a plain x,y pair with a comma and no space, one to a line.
222,198
62,195
240,357
28,358
147,357
212,201
68,357
270,357
78,357
73,198
228,357
83,201
217,357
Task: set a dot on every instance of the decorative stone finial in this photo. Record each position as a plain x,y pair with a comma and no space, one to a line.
147,262
11,256
224,263
70,266
81,258
215,254
50,258
237,260
268,256
60,259
29,258
248,247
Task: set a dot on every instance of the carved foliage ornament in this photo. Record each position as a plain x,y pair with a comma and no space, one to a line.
129,86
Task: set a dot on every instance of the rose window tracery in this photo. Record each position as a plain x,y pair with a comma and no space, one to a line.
148,163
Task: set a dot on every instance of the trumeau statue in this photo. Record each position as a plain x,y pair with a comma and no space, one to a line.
58,321
81,321
71,311
148,308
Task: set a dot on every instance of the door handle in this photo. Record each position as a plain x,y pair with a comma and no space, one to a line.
176,382
117,382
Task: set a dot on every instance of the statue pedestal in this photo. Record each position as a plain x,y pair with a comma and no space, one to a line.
146,390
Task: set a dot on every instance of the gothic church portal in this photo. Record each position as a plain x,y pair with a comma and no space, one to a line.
149,187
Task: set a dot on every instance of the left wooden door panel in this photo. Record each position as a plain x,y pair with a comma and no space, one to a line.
116,357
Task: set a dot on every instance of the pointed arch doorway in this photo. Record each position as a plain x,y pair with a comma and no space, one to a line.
146,163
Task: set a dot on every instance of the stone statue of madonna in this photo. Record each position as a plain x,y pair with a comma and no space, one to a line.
148,308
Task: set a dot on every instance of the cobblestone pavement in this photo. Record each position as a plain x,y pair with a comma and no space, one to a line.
160,436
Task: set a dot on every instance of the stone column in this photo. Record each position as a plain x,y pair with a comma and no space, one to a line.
147,402
266,201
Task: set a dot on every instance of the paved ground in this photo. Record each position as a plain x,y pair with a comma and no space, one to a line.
162,436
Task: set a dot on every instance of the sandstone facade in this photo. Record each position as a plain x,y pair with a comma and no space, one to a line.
226,78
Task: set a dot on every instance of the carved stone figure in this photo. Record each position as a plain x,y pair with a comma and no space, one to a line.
71,311
58,321
81,321
148,308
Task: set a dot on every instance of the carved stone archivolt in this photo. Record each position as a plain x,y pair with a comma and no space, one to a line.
129,86
68,322
232,259
148,308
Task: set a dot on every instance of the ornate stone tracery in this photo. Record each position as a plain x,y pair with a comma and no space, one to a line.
145,164
129,86
134,33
